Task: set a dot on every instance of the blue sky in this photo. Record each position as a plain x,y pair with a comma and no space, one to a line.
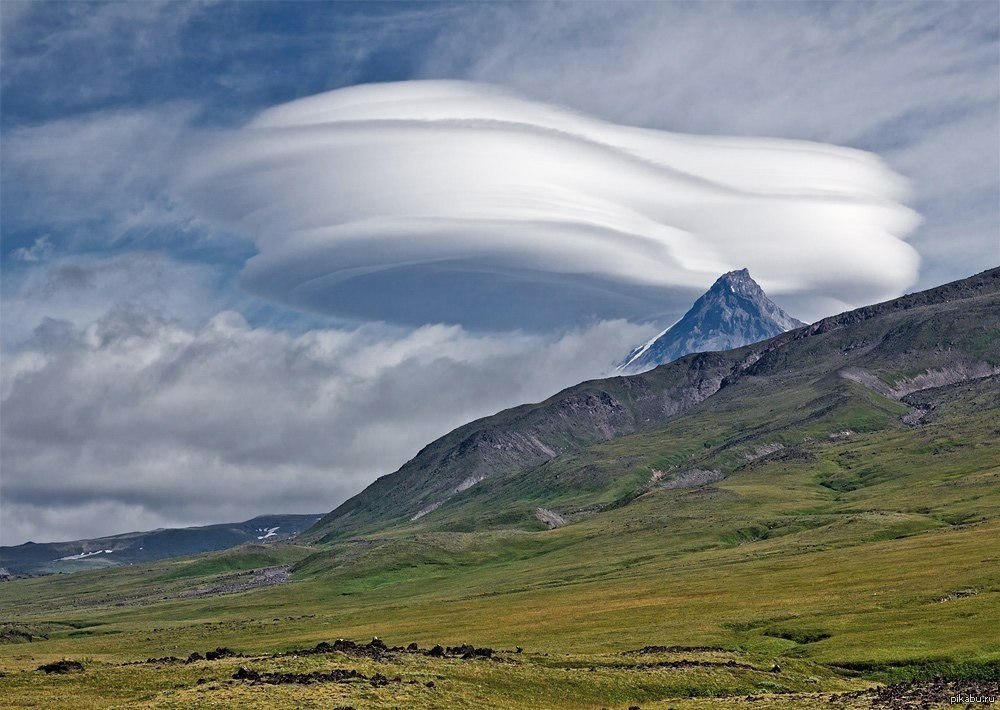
130,288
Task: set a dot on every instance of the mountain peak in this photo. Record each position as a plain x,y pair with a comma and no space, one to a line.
735,275
739,281
734,312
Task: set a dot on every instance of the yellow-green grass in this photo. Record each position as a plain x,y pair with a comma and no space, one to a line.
869,556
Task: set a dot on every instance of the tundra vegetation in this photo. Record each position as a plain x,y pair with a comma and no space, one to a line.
820,526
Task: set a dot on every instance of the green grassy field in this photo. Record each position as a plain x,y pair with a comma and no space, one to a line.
806,536
847,559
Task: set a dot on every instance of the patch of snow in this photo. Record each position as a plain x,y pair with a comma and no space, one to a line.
647,346
545,449
268,532
429,509
84,554
469,483
464,485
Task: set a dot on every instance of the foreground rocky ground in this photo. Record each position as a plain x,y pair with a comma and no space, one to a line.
349,674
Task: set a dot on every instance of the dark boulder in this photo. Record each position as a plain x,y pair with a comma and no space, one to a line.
63,666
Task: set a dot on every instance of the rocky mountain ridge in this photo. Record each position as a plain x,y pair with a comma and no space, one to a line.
945,330
734,312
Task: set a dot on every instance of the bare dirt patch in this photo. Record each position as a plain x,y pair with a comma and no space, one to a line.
549,518
693,478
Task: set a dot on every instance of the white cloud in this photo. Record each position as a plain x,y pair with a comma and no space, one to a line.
87,50
915,82
125,408
95,178
41,249
136,421
384,201
79,290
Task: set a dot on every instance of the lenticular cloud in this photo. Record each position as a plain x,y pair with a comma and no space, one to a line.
433,201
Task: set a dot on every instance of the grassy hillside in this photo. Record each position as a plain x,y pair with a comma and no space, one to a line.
936,337
810,530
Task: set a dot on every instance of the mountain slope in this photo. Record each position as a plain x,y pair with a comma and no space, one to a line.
137,547
526,436
825,520
734,312
931,338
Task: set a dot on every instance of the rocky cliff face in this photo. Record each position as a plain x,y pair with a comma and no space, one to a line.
733,313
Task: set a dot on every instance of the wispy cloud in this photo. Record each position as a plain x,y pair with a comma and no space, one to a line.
83,53
94,179
41,249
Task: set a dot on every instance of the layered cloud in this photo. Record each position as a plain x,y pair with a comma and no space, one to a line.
387,201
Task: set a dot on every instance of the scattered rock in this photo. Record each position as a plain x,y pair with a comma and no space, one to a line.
220,653
242,581
959,594
686,663
914,417
15,636
674,649
549,518
846,434
195,657
693,478
337,675
165,659
245,673
468,651
63,666
759,452
375,649
921,694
